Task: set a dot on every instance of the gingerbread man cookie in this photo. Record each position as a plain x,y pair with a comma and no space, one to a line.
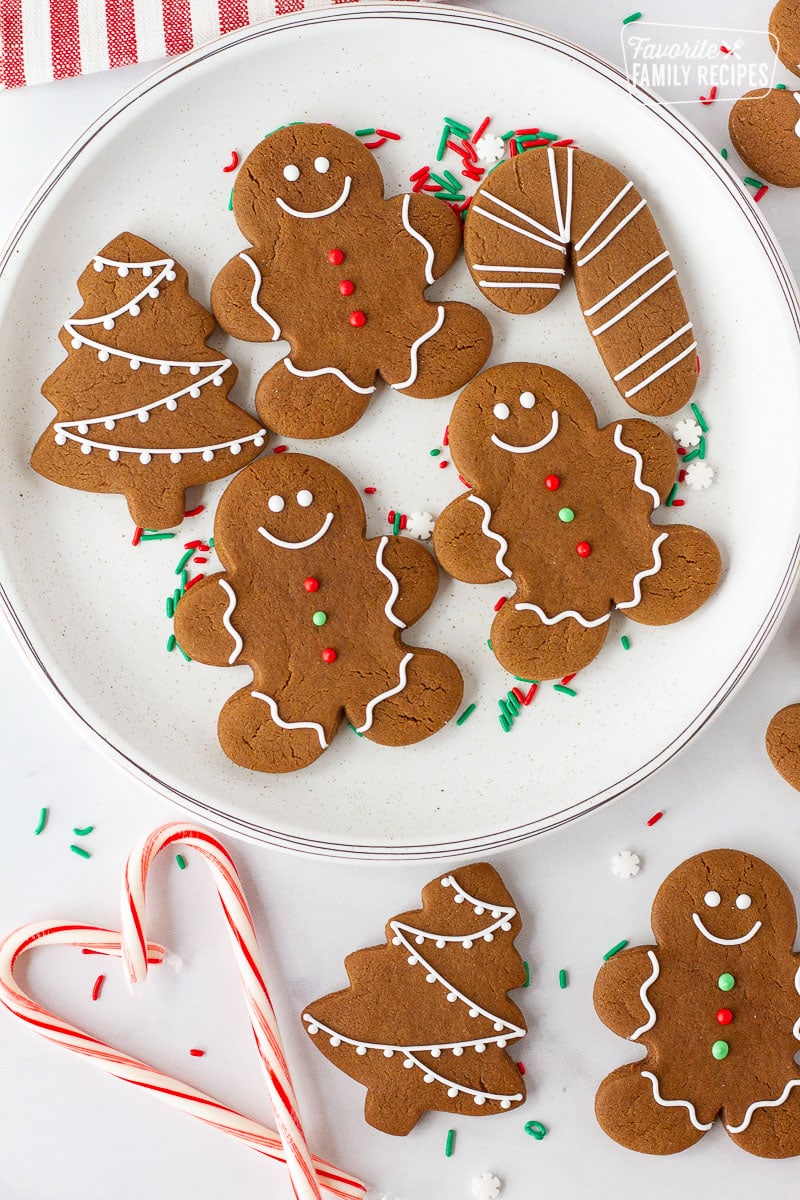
340,273
765,129
552,207
316,610
716,1004
563,509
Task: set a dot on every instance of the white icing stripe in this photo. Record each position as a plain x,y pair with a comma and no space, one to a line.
796,1026
519,270
396,1047
423,241
517,212
395,586
623,312
712,937
134,412
262,312
257,438
581,242
748,1116
797,98
132,266
652,353
548,286
226,620
451,881
548,437
562,616
648,1008
661,370
320,212
424,337
166,265
687,1104
490,533
610,237
563,219
638,464
363,391
273,708
385,695
326,524
515,228
479,1097
77,336
589,312
637,581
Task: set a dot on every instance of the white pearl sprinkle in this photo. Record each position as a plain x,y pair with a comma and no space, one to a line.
83,427
145,458
165,368
452,1092
195,369
479,1099
147,272
235,448
76,343
175,456
217,381
170,276
143,415
98,266
362,1050
103,355
258,441
336,1041
108,323
134,310
123,271
110,423
135,364
114,455
61,439
171,405
312,1028
194,392
86,448
208,455
458,1051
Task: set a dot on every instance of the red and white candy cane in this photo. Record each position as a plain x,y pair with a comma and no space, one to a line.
307,1172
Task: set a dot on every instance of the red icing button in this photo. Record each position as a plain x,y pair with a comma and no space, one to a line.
328,655
584,549
335,257
357,319
311,584
347,287
552,483
724,1016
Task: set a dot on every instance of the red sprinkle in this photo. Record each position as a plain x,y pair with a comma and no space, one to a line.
195,1053
422,173
357,318
461,150
583,549
681,475
682,450
521,1068
533,690
655,817
678,503
328,655
563,142
199,558
513,148
535,142
195,512
390,516
484,125
499,605
347,287
516,692
335,257
443,463
461,479
387,133
137,533
403,520
697,360
474,173
419,185
233,164
192,582
762,191
98,986
470,149
370,491
195,545
568,678
552,483
724,1016
376,145
525,132
311,584
446,438
279,449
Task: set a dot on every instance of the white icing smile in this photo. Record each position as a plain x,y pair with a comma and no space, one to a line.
712,937
548,437
323,529
320,212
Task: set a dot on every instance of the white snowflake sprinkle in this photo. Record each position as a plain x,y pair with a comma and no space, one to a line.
626,864
687,432
486,1186
699,475
490,149
419,525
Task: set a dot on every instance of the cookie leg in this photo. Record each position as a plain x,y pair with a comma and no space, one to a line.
689,572
250,736
773,1132
626,1109
156,509
431,695
783,743
526,646
448,358
310,406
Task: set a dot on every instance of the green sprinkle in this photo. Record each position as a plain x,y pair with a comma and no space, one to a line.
230,201
396,523
449,1144
184,580
435,453
626,642
455,197
724,153
506,712
671,496
170,607
536,1129
319,618
522,679
780,87
183,561
567,691
489,643
504,724
84,832
637,16
551,137
701,449
693,454
364,132
450,177
458,127
720,1050
562,978
43,815
355,731
181,861
183,652
527,975
615,949
211,543
172,642
513,703
466,714
155,537
79,850
443,184
566,515
507,136
726,982
698,416
442,145
756,183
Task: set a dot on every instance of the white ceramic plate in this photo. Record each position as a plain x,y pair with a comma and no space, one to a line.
89,609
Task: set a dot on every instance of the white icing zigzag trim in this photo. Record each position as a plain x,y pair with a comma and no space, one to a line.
548,437
395,586
363,391
424,337
262,312
490,533
648,1008
563,616
637,582
748,1116
712,937
385,695
273,708
637,471
226,620
423,241
320,212
326,524
659,1099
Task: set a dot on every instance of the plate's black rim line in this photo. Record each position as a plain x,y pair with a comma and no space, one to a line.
508,837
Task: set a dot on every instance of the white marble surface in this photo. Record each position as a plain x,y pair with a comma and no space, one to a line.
68,1131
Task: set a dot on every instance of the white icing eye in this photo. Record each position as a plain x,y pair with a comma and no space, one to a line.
502,412
712,899
304,498
322,165
527,399
743,901
291,172
276,504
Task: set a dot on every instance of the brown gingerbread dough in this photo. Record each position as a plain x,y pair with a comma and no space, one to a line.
765,130
784,24
715,1003
783,743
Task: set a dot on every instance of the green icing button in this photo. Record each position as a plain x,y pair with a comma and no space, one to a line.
726,982
319,618
720,1050
566,514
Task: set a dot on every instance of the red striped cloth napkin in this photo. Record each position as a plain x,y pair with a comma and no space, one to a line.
43,40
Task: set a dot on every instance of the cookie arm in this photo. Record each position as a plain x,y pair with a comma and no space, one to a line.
463,548
204,622
412,579
434,226
651,451
240,299
620,990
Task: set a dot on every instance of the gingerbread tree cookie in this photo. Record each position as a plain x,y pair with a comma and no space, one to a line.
141,399
340,273
317,611
554,208
563,509
716,1004
426,1021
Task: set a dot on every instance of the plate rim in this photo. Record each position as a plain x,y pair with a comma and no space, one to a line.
761,636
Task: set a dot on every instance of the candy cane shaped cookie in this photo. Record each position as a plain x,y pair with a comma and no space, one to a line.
558,208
